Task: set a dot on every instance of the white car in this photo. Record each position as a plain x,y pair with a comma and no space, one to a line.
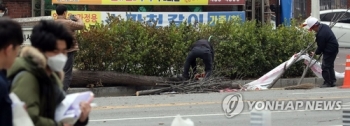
341,29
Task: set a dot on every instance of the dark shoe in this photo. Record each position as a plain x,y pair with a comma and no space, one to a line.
327,85
324,86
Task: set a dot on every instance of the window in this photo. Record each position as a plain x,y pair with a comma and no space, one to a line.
333,4
346,20
334,15
328,17
299,8
323,17
347,15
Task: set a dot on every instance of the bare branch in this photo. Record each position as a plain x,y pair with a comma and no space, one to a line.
335,20
212,84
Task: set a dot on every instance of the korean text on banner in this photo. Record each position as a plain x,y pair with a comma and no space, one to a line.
88,17
226,2
220,17
155,2
165,18
87,2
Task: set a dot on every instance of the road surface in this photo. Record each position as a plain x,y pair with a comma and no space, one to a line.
206,110
339,64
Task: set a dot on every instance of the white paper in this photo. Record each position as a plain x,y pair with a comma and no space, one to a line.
19,114
69,110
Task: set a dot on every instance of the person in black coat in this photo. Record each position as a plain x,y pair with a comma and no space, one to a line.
11,38
327,44
200,49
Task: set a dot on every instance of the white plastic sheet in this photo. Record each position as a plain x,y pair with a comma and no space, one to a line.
69,111
19,114
266,80
317,70
179,121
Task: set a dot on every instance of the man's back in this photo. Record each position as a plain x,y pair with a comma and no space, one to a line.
326,40
72,26
201,42
5,101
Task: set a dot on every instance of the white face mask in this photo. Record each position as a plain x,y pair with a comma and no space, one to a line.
1,14
56,63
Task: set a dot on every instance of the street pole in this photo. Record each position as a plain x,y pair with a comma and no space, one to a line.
42,8
315,9
33,8
278,13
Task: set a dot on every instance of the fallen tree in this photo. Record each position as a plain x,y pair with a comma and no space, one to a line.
156,84
110,78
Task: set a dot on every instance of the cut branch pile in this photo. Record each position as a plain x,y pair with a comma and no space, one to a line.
156,84
199,86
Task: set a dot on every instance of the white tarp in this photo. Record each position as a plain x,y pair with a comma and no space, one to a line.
266,80
19,114
179,121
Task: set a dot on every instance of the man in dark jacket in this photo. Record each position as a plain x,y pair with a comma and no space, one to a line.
11,37
327,44
201,49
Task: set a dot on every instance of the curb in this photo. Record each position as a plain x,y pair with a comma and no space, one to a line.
106,91
284,82
130,91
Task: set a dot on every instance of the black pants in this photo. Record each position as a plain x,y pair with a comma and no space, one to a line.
328,73
198,52
68,69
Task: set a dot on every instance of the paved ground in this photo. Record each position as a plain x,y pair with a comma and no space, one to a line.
206,110
341,58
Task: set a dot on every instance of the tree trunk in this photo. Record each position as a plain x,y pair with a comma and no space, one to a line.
109,78
151,91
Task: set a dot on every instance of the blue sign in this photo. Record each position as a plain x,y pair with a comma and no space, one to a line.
287,9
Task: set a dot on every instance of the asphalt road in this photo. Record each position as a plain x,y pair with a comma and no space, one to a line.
339,64
206,110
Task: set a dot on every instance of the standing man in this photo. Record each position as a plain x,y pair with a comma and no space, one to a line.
201,49
78,24
327,44
11,38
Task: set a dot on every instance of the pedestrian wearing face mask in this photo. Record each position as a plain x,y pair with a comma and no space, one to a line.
2,10
38,74
72,25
